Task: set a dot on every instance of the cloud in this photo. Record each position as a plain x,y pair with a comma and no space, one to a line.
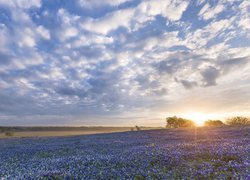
134,18
43,32
171,10
107,59
24,4
210,75
187,84
96,3
87,40
208,12
228,65
109,22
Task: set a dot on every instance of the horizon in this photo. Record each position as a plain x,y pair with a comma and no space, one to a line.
122,63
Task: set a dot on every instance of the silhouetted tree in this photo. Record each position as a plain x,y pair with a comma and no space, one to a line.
238,120
176,122
214,123
137,128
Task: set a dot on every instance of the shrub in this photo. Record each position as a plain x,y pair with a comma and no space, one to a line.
8,133
238,120
213,123
176,122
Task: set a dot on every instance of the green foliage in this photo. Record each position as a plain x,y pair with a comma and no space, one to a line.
176,122
238,120
214,123
44,155
139,177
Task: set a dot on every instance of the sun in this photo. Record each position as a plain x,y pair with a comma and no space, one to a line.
198,118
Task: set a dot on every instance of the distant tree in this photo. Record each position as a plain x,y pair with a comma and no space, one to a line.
132,129
137,128
176,122
214,123
9,133
238,120
171,121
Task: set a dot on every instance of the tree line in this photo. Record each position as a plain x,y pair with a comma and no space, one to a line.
176,122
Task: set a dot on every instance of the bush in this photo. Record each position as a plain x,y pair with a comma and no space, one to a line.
137,128
214,123
176,122
238,120
8,133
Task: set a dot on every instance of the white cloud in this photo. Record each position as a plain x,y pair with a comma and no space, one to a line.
26,38
69,25
204,9
43,32
201,37
166,41
69,33
134,18
27,41
66,18
92,39
245,23
171,10
98,3
24,4
208,12
109,22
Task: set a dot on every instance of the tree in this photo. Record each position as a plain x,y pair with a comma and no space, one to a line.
213,123
137,128
176,122
238,120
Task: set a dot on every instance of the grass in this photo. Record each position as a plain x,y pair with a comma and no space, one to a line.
55,133
51,133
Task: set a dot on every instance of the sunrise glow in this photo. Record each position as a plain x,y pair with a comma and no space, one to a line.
198,118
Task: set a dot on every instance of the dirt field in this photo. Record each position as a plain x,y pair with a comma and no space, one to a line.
44,133
52,133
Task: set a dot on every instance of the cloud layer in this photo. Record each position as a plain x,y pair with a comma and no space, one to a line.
81,61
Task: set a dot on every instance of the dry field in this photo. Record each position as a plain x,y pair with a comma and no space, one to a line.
55,133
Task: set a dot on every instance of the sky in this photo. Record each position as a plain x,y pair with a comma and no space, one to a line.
123,62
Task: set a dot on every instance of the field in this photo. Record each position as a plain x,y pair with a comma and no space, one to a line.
21,132
202,153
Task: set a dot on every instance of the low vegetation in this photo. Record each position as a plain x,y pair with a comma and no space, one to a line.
176,122
8,133
208,153
238,120
213,123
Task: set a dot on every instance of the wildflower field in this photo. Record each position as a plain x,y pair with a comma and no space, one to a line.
202,153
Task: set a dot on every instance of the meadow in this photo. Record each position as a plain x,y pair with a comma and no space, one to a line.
183,153
22,131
